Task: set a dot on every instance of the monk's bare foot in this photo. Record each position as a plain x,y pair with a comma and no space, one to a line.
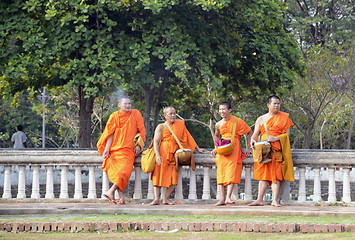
230,202
120,202
220,203
110,198
276,204
256,203
155,202
168,202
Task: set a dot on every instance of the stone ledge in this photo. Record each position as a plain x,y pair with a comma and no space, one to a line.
168,226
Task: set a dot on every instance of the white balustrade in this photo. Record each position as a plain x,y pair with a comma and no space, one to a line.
105,184
92,183
35,182
346,185
137,184
7,182
150,194
317,197
64,182
235,195
78,159
332,194
178,189
206,192
302,185
192,190
78,193
49,183
21,181
248,190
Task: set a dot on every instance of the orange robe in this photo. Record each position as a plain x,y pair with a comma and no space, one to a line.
165,174
229,167
119,164
272,171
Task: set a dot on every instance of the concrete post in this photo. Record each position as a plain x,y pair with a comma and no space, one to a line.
7,182
64,182
317,197
78,193
192,192
92,183
206,193
105,184
346,185
150,194
49,183
178,189
35,182
331,191
137,183
21,181
302,185
248,191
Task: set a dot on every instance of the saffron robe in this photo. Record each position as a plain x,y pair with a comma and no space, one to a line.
165,174
119,164
229,167
272,171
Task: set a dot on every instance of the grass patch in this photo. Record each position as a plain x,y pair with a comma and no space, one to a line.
175,218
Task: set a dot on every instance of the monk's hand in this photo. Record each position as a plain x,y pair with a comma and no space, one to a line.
248,152
106,153
201,150
272,139
252,142
214,152
137,150
158,160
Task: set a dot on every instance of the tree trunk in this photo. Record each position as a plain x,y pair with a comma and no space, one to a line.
348,145
148,101
86,106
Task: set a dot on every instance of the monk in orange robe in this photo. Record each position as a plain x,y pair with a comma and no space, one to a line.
165,173
229,167
278,123
116,146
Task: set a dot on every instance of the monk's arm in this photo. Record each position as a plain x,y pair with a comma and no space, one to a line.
277,138
157,137
254,137
216,137
108,146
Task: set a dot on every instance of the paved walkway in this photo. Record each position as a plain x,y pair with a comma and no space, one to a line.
32,208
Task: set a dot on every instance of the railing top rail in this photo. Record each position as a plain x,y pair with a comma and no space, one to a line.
306,157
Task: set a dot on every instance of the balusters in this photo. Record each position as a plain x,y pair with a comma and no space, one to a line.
192,192
105,184
63,182
248,191
92,183
35,182
302,185
49,183
346,185
178,189
78,193
150,194
7,182
21,181
331,190
206,193
138,183
317,185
